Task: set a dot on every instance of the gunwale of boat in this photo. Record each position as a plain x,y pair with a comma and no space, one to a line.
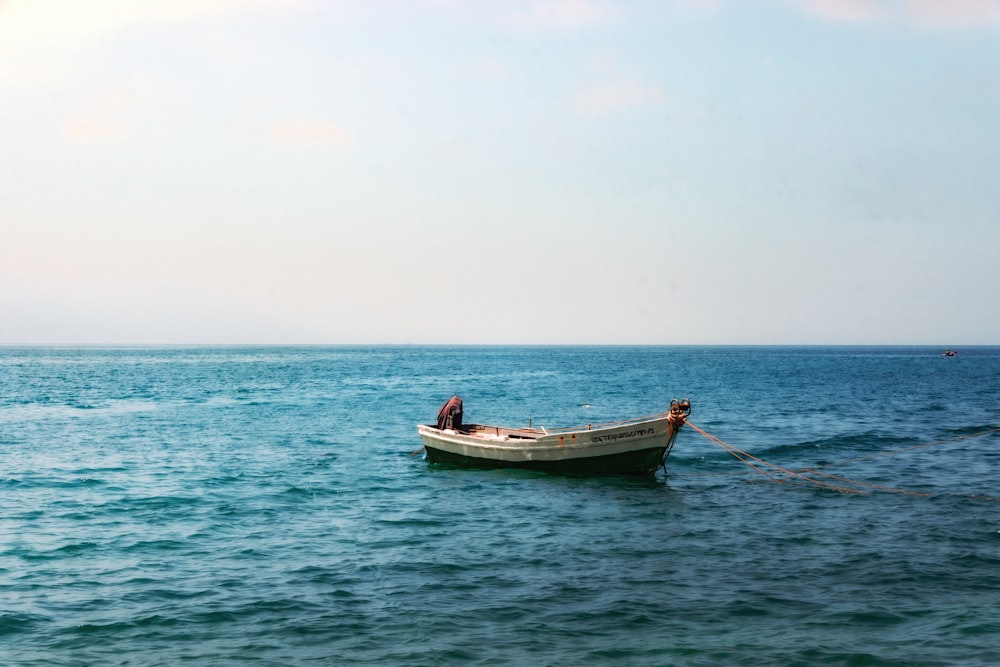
492,432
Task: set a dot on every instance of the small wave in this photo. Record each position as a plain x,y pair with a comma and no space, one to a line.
298,491
32,412
155,546
20,622
873,617
58,553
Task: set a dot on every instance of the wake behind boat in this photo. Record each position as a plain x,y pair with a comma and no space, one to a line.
635,446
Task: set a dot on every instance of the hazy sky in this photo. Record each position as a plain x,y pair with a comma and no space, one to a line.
519,171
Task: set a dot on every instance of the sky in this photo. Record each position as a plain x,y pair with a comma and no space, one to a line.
675,172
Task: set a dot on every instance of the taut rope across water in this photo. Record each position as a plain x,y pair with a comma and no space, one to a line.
778,474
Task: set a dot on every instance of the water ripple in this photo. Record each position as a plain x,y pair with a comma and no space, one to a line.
234,506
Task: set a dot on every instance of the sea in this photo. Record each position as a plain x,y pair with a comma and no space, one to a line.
272,506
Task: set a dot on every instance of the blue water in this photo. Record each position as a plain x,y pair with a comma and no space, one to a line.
260,506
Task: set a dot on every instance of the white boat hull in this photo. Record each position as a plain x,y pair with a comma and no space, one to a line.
636,446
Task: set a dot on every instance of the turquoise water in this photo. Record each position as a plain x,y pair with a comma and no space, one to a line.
260,506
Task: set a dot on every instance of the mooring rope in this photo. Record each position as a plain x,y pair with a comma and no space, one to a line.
815,469
904,449
758,464
808,474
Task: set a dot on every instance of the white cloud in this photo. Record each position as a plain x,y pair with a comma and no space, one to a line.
139,91
562,15
93,129
107,114
613,97
39,39
58,20
308,133
699,6
924,13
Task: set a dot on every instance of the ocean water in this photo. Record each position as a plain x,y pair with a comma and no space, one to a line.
265,506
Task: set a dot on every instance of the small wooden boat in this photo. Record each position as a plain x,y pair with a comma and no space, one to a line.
634,446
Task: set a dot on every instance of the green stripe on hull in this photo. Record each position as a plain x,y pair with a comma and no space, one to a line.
641,462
